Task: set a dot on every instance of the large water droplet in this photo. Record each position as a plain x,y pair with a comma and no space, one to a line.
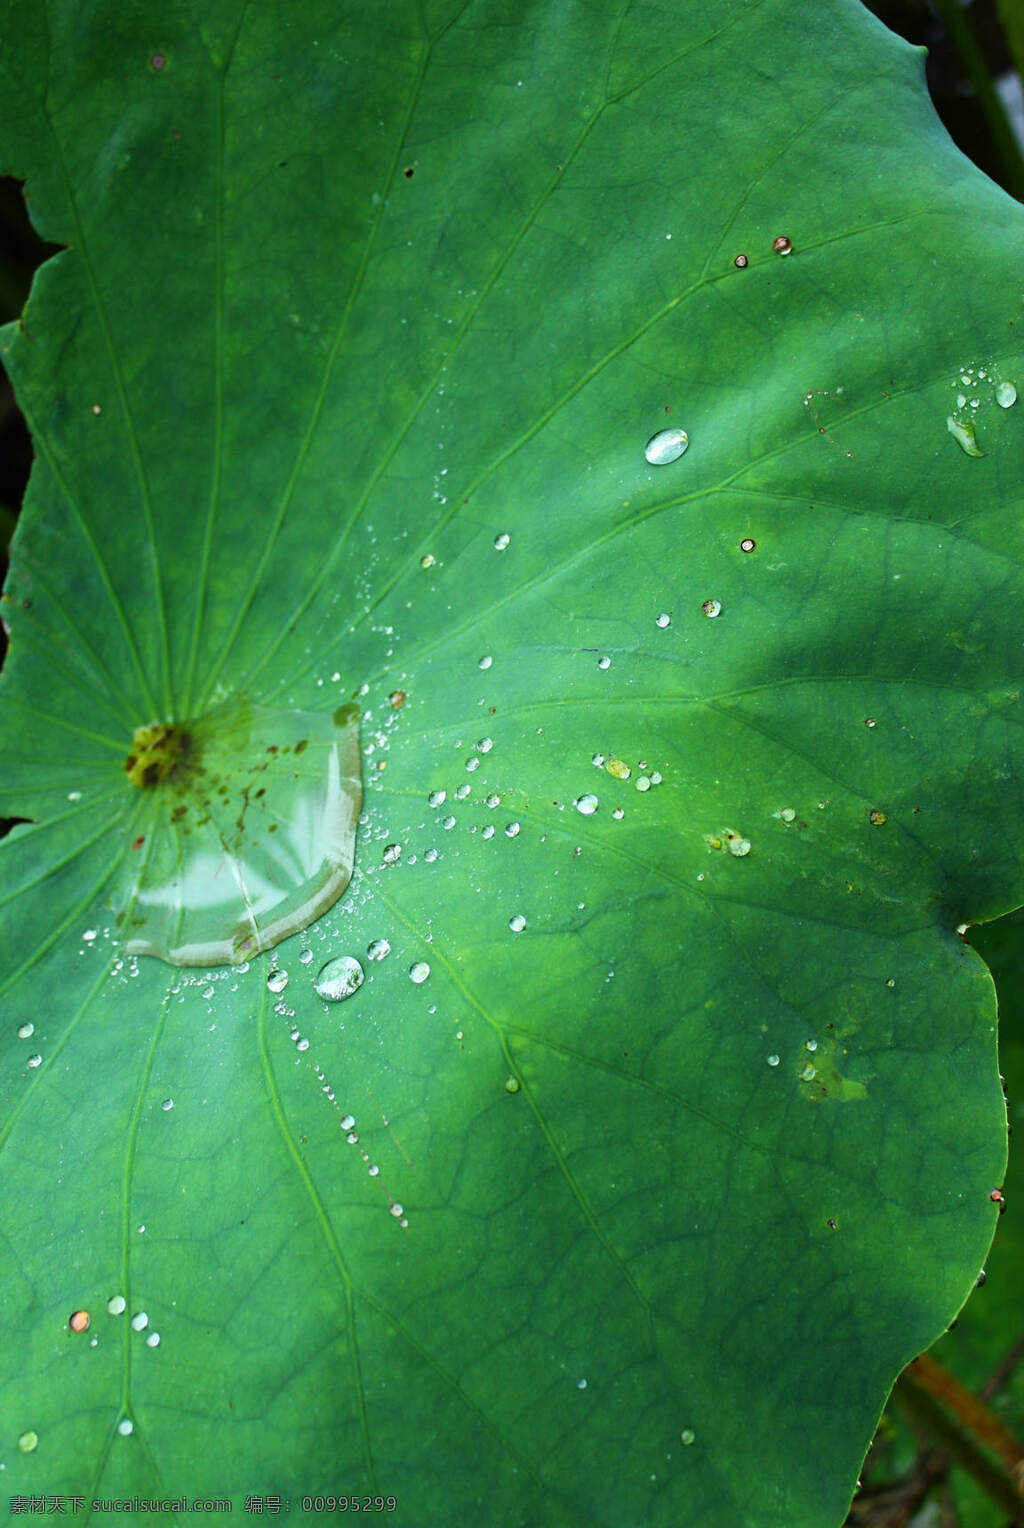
419,972
252,832
964,436
338,979
587,804
1006,394
667,446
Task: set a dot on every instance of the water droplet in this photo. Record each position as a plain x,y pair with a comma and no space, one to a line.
587,804
782,245
140,1321
773,1059
153,1340
502,541
488,832
167,1105
397,1210
517,924
581,1384
74,795
485,662
741,262
116,1305
737,844
448,823
437,798
512,830
419,972
663,620
618,769
655,777
811,1045
889,982
302,1045
377,949
618,813
396,699
277,981
869,721
808,1073
35,1060
687,1436
28,1442
666,446
126,1427
26,1031
747,544
711,608
484,744
605,662
598,761
492,801
876,818
964,436
643,783
338,979
392,854
471,765
79,1321
786,813
1006,394
427,560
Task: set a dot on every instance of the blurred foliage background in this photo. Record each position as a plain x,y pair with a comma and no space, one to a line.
948,1452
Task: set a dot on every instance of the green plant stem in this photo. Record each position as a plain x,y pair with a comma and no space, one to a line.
961,34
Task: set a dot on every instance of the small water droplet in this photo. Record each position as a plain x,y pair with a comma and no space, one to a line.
737,844
581,1384
808,1073
140,1321
419,972
587,805
711,608
663,620
786,813
447,823
773,1059
687,1436
28,1442
618,769
377,949
741,262
471,765
89,935
502,541
79,1321
397,1210
277,981
876,818
153,1340
782,245
1006,394
517,924
167,1105
392,854
116,1305
427,560
485,662
348,1122
492,801
618,813
35,1060
512,830
655,777
126,1427
889,982
598,761
488,832
396,699
512,1084
666,446
437,798
747,544
74,795
484,744
964,436
811,1045
26,1031
338,979
643,783
605,662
